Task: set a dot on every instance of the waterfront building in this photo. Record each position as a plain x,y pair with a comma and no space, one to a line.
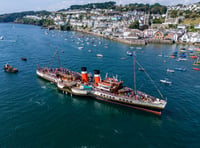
159,35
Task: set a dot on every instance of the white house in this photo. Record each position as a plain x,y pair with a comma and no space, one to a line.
185,38
197,26
181,26
149,33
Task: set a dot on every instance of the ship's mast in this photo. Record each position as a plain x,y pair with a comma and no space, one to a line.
58,60
134,73
52,59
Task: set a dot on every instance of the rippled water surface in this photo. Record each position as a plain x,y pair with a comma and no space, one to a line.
33,113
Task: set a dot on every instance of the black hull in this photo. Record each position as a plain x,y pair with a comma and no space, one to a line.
10,71
23,59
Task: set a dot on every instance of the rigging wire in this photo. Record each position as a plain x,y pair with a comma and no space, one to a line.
51,60
151,80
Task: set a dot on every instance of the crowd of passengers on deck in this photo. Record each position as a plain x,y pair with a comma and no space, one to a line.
57,70
131,95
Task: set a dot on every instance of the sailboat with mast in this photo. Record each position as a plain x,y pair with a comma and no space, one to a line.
197,62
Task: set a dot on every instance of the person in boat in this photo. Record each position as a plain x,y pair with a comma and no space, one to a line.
7,66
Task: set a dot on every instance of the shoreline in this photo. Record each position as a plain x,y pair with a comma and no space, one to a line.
139,42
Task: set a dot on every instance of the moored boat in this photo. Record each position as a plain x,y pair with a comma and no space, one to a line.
9,68
23,59
1,37
182,50
99,55
197,69
180,69
181,59
129,53
166,81
197,62
80,48
141,69
174,54
170,70
193,57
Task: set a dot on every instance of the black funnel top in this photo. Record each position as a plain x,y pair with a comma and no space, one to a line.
96,71
83,69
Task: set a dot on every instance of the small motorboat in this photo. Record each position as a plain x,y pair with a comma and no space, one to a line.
181,59
165,81
1,38
99,55
89,50
138,47
23,59
141,69
80,48
172,56
180,69
194,68
129,53
170,70
182,50
190,49
193,57
197,62
9,68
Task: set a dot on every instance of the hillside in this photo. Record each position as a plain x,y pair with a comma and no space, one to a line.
13,16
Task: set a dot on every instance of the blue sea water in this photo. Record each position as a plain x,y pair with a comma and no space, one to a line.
33,113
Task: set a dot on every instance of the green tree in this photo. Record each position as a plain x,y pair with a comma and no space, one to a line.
157,21
174,13
134,25
191,28
172,26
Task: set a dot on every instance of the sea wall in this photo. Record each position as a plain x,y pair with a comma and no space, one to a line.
148,41
135,42
130,42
